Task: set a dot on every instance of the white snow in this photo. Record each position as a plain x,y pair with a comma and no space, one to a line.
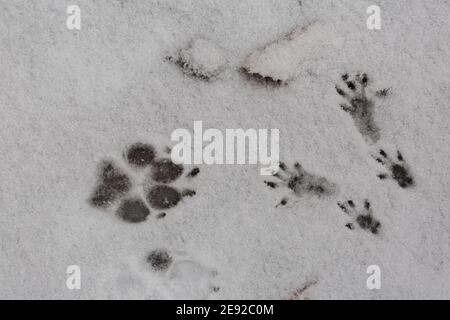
69,99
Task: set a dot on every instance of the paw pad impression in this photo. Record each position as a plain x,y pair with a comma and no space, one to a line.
115,184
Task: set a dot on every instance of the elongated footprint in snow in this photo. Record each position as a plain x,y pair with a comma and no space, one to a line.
360,106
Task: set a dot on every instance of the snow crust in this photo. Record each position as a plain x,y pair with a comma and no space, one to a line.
69,99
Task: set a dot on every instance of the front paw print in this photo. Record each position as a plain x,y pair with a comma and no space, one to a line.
360,107
363,217
399,171
144,173
302,182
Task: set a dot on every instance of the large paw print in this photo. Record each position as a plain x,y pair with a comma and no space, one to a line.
145,174
399,171
363,217
359,106
301,182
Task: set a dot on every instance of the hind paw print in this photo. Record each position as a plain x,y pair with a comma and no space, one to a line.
144,174
301,182
362,217
398,171
359,106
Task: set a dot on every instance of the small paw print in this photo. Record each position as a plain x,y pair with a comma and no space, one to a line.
120,187
398,171
362,217
360,107
301,182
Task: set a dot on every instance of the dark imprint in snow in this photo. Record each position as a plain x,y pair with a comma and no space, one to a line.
114,185
258,78
133,210
165,171
163,197
398,171
188,69
301,182
140,154
362,217
360,107
159,260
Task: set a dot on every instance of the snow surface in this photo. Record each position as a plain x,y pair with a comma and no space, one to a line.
69,99
281,60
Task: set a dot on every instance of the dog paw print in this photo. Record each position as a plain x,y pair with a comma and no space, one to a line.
398,171
362,217
144,182
184,277
301,182
360,107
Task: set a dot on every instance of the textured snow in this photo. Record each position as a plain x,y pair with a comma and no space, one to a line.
282,59
69,99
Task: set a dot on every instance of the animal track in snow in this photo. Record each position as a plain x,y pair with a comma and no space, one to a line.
265,80
301,182
360,107
163,275
398,171
117,187
280,61
202,59
363,217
